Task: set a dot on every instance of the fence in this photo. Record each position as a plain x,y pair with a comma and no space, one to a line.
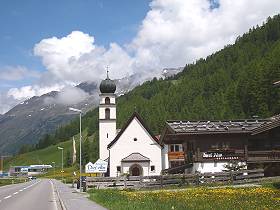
175,179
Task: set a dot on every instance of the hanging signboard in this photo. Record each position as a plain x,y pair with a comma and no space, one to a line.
100,166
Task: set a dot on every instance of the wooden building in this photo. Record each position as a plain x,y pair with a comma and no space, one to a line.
209,145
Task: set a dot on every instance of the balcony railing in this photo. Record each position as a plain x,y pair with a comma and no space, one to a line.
264,156
176,155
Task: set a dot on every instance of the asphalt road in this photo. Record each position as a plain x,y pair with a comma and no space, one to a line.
33,195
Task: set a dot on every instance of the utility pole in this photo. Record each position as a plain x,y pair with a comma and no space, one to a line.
80,113
53,169
61,148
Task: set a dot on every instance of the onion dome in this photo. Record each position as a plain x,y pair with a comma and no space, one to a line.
107,85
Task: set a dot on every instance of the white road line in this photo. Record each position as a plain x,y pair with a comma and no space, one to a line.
7,197
21,190
15,193
54,197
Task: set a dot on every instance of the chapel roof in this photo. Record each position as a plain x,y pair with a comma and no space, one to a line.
137,116
136,156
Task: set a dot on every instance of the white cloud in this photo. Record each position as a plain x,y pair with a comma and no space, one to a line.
30,91
173,33
14,73
6,103
68,96
176,32
75,58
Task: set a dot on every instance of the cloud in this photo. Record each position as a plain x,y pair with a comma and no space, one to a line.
75,58
176,32
6,103
172,34
30,91
15,73
68,96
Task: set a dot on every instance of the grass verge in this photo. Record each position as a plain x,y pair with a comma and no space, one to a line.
4,181
192,198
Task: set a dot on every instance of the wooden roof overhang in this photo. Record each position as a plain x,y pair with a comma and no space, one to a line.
274,123
179,138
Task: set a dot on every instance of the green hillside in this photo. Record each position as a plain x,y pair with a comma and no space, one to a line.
236,82
43,156
53,154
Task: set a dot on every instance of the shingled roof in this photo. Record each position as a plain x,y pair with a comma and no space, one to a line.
209,127
135,157
272,123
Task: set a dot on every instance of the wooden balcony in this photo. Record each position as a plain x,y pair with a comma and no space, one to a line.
241,155
220,155
264,156
176,155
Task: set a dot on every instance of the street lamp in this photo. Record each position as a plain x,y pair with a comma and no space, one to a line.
61,148
277,84
80,112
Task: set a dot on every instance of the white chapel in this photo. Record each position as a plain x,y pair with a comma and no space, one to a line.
133,150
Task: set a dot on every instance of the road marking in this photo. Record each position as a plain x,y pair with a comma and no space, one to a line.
15,193
21,190
54,194
7,197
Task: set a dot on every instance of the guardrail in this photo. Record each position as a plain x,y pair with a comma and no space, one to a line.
175,179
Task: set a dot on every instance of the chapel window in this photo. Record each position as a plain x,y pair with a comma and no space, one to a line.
107,100
107,113
152,168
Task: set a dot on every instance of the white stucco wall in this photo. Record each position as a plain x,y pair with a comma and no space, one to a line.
164,154
210,167
107,128
144,145
111,96
112,111
145,166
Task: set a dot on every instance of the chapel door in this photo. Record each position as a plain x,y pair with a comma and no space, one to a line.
135,171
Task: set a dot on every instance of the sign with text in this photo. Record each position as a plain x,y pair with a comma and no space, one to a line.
100,166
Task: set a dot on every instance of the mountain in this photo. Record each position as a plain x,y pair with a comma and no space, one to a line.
30,120
235,82
169,72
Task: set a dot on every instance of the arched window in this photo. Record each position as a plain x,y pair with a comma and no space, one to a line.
107,113
107,100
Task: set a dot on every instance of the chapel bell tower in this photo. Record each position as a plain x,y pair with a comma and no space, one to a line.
107,116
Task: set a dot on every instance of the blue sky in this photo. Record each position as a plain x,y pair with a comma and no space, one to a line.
47,45
25,23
